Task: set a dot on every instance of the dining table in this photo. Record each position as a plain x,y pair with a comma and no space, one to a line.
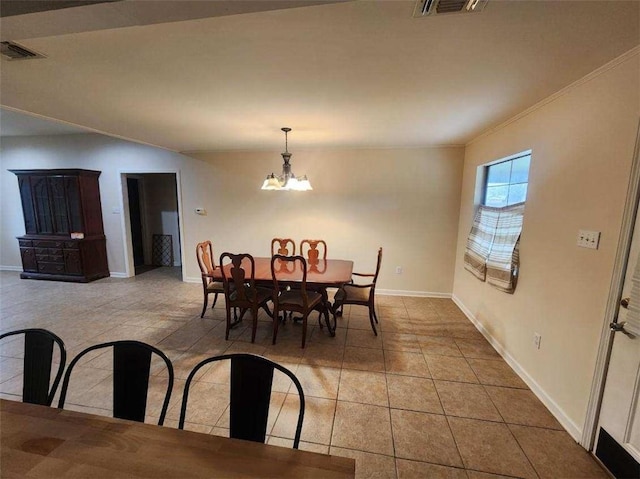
41,441
321,274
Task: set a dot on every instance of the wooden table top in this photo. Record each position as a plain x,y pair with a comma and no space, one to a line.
39,441
328,272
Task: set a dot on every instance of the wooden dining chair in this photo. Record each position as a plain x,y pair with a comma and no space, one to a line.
284,246
204,255
313,250
360,294
240,290
296,299
131,371
250,386
38,361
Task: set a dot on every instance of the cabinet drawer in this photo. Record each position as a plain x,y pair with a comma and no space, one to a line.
54,268
48,244
25,243
49,251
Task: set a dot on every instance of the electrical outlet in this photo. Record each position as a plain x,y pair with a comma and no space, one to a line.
588,239
398,269
536,340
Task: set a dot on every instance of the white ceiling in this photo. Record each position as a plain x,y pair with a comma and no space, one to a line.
351,74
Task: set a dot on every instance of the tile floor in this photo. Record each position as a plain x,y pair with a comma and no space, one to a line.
427,397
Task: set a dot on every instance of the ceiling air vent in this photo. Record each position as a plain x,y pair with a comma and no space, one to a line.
438,7
13,51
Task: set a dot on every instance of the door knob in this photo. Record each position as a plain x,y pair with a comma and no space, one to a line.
624,302
619,328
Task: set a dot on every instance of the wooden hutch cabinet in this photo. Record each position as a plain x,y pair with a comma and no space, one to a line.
64,238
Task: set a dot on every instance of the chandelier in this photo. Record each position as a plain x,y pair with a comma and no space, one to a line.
287,181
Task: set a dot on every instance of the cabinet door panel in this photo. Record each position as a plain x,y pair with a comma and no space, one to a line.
28,259
28,210
40,191
74,204
58,202
72,262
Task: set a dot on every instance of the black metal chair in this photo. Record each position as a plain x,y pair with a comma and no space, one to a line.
251,380
360,294
38,359
131,370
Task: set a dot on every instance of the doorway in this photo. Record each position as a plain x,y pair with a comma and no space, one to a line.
135,220
154,233
618,431
612,429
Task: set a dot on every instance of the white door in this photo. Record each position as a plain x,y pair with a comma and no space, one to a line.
618,442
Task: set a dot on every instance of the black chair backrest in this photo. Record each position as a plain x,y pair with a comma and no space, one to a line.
131,370
38,356
251,380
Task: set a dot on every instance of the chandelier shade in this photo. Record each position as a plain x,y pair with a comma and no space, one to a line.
287,181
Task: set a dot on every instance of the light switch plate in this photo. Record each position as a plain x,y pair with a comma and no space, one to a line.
588,239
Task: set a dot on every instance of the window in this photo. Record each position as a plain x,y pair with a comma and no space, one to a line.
492,252
506,182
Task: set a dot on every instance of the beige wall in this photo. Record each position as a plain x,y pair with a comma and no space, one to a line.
405,200
582,145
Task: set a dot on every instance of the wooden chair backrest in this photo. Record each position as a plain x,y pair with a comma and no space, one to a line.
281,246
204,254
375,277
282,266
317,249
239,279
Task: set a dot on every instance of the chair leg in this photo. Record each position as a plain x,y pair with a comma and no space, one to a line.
304,329
371,317
226,334
276,320
204,307
372,307
254,326
332,330
215,298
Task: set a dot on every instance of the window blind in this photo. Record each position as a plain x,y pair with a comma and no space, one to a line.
480,240
492,252
504,258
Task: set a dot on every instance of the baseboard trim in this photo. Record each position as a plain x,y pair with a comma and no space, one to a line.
417,294
381,292
571,427
11,268
118,275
